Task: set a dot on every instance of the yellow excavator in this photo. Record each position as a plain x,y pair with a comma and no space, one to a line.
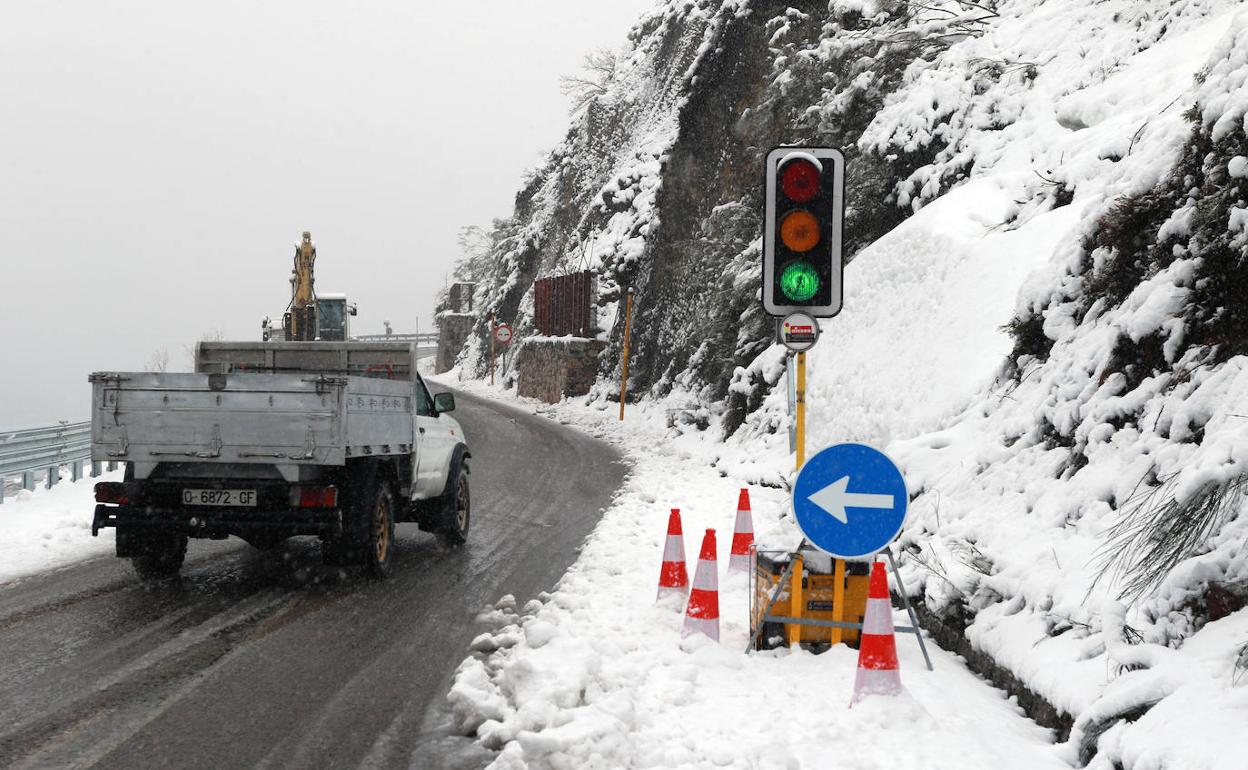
310,316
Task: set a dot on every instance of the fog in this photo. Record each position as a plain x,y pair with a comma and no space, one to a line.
159,160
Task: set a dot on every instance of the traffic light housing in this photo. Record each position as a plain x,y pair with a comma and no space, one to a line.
805,202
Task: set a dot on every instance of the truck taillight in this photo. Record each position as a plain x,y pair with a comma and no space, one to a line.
314,497
113,492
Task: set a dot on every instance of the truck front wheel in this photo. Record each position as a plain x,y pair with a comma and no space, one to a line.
457,510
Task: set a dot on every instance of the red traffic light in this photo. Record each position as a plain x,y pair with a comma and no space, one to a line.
799,180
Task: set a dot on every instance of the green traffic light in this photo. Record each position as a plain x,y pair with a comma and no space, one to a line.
799,281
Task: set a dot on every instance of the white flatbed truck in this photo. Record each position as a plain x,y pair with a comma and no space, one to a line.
268,440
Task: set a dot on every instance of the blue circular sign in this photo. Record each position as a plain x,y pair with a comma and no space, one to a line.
850,500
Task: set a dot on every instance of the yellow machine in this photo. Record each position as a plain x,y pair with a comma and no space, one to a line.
311,316
300,319
810,597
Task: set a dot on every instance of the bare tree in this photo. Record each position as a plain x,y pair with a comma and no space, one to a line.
597,72
474,242
215,334
159,362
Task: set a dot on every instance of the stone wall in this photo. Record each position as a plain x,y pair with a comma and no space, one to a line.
453,331
549,368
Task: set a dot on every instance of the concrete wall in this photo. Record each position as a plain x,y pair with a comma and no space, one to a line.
453,332
549,368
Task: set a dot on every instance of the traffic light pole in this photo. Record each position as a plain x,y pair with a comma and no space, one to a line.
800,399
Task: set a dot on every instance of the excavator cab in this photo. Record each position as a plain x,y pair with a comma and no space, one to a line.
334,317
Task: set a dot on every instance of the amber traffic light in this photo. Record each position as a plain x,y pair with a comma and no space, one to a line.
802,231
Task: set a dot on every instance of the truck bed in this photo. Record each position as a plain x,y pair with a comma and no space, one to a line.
286,419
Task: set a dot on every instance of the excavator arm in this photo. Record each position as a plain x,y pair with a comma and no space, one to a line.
302,310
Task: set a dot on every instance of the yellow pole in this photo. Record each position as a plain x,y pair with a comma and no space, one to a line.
628,328
838,599
492,350
838,567
795,599
800,398
795,588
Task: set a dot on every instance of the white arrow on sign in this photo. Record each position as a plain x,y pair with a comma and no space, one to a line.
835,499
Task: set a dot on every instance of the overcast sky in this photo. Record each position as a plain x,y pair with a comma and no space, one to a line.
158,161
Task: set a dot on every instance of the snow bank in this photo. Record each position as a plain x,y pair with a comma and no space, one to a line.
596,674
48,528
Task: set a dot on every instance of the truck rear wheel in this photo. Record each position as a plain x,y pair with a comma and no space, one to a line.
369,539
379,548
162,555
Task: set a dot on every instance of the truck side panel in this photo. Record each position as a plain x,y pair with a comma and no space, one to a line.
286,420
379,417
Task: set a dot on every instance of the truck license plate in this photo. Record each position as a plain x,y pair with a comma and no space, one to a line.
219,497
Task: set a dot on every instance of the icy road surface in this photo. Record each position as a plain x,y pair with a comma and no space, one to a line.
271,660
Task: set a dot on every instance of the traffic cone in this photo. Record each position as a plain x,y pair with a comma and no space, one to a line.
673,578
877,649
742,536
702,614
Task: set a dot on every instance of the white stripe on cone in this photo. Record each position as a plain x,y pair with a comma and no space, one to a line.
674,549
879,622
879,682
705,578
710,627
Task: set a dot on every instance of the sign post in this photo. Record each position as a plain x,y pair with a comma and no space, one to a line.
502,335
628,328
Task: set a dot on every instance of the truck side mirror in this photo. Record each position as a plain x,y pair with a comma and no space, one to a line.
444,402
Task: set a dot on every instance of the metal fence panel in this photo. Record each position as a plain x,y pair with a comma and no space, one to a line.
564,305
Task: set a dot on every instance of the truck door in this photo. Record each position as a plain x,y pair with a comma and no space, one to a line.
436,445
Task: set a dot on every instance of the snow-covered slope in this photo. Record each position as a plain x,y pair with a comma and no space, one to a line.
1044,322
1102,219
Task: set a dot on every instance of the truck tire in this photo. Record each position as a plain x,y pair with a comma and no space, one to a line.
162,557
379,548
370,523
456,514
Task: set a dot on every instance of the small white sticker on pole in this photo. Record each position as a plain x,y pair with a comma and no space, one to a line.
799,332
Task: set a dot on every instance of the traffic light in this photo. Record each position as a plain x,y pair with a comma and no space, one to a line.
805,197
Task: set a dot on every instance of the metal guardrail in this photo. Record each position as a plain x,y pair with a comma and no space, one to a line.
417,338
25,451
